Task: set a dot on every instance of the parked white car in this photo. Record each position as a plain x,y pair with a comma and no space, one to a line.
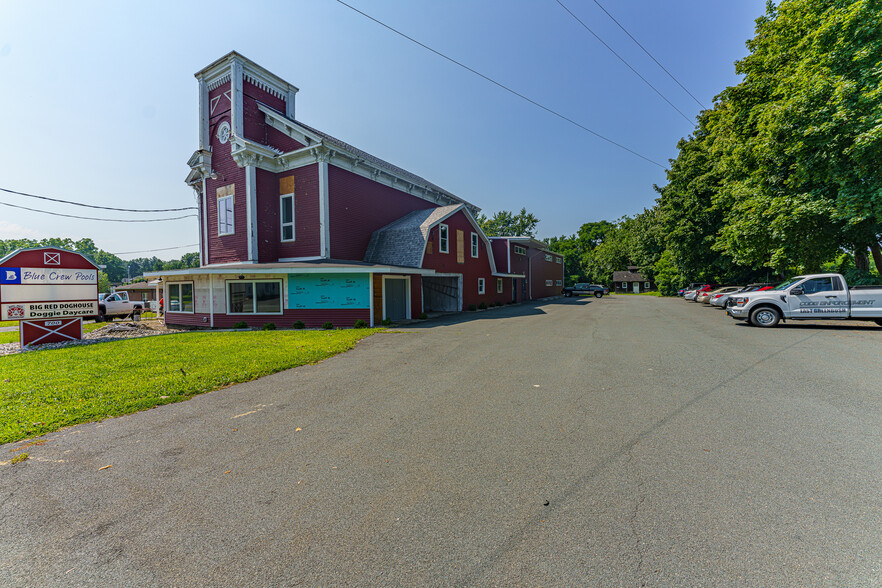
811,297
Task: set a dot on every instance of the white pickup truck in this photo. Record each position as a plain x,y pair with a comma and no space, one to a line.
812,297
118,304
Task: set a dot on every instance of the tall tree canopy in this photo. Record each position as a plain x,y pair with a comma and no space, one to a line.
506,224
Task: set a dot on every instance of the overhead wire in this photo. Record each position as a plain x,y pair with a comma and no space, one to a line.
154,250
622,59
503,86
651,56
109,220
96,206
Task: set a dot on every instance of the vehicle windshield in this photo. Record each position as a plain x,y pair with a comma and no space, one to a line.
788,283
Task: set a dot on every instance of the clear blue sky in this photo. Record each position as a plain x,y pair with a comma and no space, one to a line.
98,103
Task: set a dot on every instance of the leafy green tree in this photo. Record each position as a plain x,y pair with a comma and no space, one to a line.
506,224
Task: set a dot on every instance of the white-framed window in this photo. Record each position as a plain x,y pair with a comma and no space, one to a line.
558,259
625,285
499,285
180,297
254,297
548,257
549,282
474,244
520,250
225,222
646,285
443,239
558,282
480,285
286,215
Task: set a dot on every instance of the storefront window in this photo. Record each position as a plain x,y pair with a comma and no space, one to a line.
255,297
180,297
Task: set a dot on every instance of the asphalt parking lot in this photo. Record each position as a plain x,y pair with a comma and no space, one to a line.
627,441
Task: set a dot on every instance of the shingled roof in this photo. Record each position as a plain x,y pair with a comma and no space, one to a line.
403,242
629,276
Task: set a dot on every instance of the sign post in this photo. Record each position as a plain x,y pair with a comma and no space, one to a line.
49,290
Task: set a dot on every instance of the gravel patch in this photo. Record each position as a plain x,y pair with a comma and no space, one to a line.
109,332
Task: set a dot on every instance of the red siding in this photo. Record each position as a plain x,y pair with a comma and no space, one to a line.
541,271
311,318
307,233
229,248
306,215
254,123
280,140
358,207
472,268
416,296
500,254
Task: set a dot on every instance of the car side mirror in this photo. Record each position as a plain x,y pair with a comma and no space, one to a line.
797,291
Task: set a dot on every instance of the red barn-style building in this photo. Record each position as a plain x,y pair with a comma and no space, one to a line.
296,225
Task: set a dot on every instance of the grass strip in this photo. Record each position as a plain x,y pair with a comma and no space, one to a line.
42,391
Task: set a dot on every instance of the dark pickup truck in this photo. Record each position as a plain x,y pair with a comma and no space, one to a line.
585,290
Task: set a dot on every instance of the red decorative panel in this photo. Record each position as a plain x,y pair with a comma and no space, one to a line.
45,331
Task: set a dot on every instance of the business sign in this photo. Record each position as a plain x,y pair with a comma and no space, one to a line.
19,311
46,285
329,291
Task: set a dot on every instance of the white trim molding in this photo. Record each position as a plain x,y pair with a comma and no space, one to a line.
322,156
251,211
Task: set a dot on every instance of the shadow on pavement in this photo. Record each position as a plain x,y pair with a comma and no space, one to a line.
512,310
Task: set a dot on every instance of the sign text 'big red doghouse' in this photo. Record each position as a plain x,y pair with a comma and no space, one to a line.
49,290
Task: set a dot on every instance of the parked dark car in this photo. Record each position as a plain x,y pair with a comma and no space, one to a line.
585,290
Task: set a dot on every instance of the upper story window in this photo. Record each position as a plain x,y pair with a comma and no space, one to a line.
226,197
474,244
443,239
558,259
547,257
520,250
287,216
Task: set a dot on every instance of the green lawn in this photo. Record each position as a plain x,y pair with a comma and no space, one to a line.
12,336
42,391
652,293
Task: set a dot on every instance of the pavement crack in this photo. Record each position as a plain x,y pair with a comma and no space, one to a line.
641,498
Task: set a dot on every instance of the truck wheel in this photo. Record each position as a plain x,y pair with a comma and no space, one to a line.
568,294
764,317
598,294
101,317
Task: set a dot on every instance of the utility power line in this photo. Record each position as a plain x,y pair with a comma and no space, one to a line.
109,220
645,50
94,206
622,59
154,250
503,86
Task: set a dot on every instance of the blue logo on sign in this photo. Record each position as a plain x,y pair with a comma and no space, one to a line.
10,275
